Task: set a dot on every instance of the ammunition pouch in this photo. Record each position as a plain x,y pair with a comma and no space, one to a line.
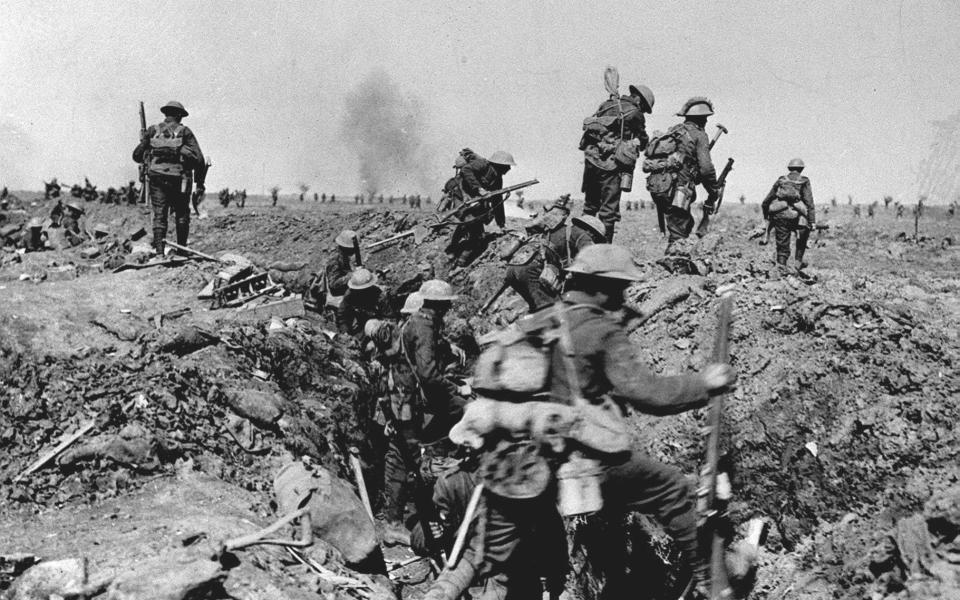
550,278
660,182
626,154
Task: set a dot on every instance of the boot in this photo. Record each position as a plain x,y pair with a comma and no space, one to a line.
801,264
608,231
158,241
183,232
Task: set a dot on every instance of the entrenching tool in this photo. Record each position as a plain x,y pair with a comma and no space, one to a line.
720,131
712,500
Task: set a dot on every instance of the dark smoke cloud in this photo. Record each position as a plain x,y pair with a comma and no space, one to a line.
387,130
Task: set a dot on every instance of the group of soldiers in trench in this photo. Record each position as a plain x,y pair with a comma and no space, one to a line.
573,278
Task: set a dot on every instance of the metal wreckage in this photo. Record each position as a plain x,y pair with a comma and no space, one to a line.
210,431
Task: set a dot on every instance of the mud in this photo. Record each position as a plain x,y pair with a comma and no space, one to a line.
841,429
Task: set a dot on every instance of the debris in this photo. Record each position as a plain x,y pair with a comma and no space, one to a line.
63,445
51,578
284,309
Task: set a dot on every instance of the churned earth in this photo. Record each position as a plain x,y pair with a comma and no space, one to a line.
841,431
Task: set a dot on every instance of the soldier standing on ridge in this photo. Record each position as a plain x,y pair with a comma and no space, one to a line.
789,207
617,125
174,162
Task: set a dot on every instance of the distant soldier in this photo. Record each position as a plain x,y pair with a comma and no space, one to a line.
612,139
51,190
174,163
333,198
789,207
132,196
871,209
274,194
899,210
242,198
323,198
301,196
537,270
478,176
340,267
76,191
887,200
56,213
676,163
952,209
316,197
743,199
856,210
112,197
89,191
363,300
452,196
33,238
74,232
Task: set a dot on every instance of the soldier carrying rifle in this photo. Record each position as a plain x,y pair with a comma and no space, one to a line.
789,207
173,161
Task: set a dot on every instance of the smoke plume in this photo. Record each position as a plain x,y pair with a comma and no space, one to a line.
387,129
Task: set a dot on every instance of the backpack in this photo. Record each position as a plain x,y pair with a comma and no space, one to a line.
165,148
789,190
515,366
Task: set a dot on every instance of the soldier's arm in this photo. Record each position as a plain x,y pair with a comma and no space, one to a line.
144,144
644,390
807,194
190,150
708,173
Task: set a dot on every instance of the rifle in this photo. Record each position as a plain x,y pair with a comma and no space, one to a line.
144,178
712,507
356,250
712,210
422,494
486,305
446,218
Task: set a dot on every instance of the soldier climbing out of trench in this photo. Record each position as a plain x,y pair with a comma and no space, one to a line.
789,208
479,175
363,300
594,369
174,164
676,162
329,287
537,270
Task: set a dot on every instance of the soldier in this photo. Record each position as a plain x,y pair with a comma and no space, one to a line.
323,198
536,271
174,162
612,138
339,267
76,191
132,195
89,191
478,176
608,366
789,207
856,210
520,542
74,231
301,196
452,196
316,197
33,238
677,162
274,194
242,198
871,209
51,190
363,301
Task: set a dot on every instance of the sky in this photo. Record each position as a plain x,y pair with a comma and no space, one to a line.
852,87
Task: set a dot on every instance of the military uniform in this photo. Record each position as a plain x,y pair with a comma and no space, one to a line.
359,306
608,366
337,272
602,171
556,247
174,161
696,168
477,177
513,543
789,217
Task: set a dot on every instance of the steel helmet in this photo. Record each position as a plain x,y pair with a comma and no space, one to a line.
346,237
372,327
590,222
796,163
361,279
697,106
412,304
35,223
606,260
174,107
437,290
502,158
645,93
460,162
74,205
